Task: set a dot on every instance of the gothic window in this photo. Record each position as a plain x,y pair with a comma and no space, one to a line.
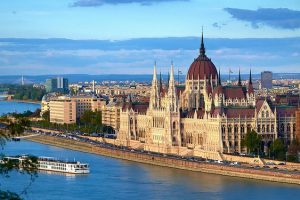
282,127
242,129
267,113
263,128
223,129
294,127
236,129
202,103
229,128
263,114
272,128
258,128
174,125
268,128
288,127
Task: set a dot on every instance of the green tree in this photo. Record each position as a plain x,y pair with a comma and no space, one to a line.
46,116
252,141
293,151
28,166
278,149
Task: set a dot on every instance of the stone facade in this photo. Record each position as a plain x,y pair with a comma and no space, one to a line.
203,117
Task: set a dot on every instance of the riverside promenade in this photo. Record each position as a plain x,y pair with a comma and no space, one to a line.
234,171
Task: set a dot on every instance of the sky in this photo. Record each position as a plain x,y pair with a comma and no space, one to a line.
127,36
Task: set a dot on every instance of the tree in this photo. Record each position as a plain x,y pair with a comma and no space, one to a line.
46,116
293,151
278,150
252,141
28,166
92,121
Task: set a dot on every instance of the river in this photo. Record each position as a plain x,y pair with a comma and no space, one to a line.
12,106
117,179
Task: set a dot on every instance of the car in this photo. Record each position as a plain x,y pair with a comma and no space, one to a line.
281,163
270,163
266,166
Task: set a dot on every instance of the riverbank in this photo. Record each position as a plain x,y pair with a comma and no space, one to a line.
24,101
170,162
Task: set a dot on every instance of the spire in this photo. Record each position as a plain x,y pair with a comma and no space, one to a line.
154,72
154,97
240,81
160,83
202,48
219,78
168,79
172,103
250,77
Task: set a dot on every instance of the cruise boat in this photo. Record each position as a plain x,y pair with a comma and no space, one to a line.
53,164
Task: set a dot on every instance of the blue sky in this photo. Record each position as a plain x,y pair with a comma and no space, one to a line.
87,21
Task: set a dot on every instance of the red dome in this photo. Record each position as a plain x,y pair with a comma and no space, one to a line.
202,68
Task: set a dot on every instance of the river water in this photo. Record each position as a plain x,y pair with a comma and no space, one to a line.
12,106
117,179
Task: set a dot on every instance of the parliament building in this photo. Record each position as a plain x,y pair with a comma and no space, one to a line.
203,117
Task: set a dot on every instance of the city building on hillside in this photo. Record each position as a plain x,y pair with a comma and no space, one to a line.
203,117
58,84
81,104
62,111
266,80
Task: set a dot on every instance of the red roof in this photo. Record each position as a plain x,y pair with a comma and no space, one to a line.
239,112
250,89
140,108
259,104
202,67
233,92
218,90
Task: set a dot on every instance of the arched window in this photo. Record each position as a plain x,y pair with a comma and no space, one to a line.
294,127
272,128
263,114
242,129
174,125
282,127
258,128
229,128
267,113
263,128
268,128
236,129
223,129
288,127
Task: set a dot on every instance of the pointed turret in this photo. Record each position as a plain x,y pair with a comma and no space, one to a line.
250,77
154,98
160,84
240,80
250,86
219,78
202,48
171,91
